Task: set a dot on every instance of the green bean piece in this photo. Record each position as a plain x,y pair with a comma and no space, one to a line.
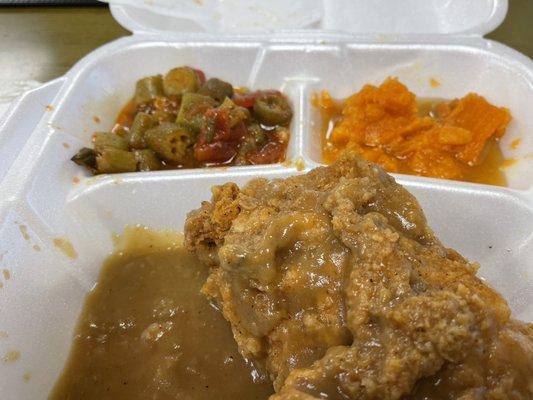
192,110
272,109
147,160
114,160
148,89
108,140
169,141
217,89
86,158
236,113
181,80
140,125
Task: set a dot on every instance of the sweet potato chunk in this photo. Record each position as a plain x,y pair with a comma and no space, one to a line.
384,124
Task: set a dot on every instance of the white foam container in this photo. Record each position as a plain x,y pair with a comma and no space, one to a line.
39,304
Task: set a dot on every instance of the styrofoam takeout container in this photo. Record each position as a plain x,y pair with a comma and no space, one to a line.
44,196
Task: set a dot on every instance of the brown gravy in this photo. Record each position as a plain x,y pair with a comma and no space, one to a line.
146,332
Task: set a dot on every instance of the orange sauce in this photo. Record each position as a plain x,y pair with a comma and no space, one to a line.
127,114
489,160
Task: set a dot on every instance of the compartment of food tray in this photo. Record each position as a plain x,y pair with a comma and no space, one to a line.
489,226
437,72
139,109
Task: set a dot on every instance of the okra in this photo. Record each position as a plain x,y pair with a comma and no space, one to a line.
115,160
217,89
148,88
192,110
236,113
86,158
181,80
147,160
140,125
108,140
169,141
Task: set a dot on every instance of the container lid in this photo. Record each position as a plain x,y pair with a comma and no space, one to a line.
359,17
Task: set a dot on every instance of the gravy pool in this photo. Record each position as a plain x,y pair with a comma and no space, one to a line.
146,332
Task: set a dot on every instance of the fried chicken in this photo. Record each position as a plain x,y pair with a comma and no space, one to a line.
333,283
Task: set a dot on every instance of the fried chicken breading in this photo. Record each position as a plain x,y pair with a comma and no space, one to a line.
334,283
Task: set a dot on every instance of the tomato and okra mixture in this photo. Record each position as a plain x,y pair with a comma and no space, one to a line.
182,120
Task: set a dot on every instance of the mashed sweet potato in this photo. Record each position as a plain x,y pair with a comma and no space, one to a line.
384,124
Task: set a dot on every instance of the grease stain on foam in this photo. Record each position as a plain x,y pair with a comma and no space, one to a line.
434,83
25,234
298,163
24,231
66,145
7,276
26,377
56,127
75,180
11,356
3,334
94,179
384,38
65,246
49,107
509,162
96,119
414,70
515,143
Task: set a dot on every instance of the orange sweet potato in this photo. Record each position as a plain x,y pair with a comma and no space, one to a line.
484,120
382,124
